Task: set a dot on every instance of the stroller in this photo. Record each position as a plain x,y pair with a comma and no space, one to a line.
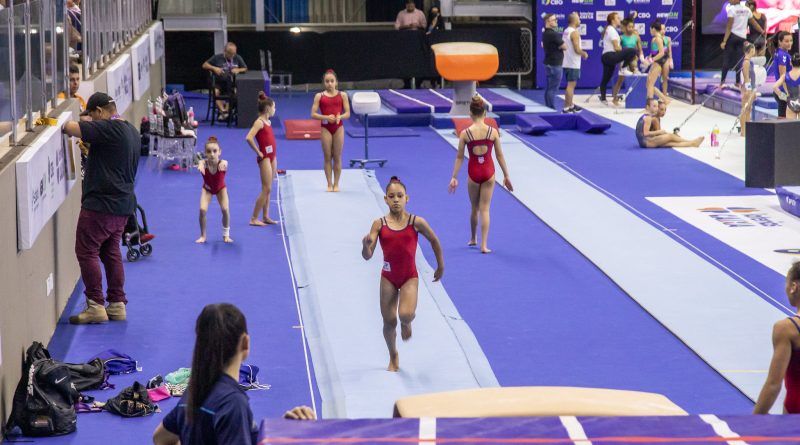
135,235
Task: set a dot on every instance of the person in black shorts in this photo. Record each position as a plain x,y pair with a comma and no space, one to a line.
224,67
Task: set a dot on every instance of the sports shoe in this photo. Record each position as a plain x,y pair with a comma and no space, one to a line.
94,313
575,109
116,311
566,110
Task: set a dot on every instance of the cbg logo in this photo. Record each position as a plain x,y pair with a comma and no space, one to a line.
640,15
553,2
672,28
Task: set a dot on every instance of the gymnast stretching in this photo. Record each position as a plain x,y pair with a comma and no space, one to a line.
479,139
213,170
649,137
398,232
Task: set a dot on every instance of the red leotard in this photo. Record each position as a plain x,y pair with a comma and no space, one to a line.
399,250
266,142
792,379
480,167
331,105
213,182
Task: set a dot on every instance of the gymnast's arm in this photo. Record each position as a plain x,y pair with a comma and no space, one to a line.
345,106
251,135
315,109
425,229
650,133
459,160
501,159
201,166
779,83
781,355
728,27
369,241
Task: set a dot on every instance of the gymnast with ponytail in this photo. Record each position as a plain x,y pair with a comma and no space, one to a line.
480,140
215,409
261,139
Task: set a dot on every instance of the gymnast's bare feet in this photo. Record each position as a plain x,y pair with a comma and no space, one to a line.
270,221
405,331
485,249
330,188
227,239
200,240
394,363
257,222
472,242
698,141
336,188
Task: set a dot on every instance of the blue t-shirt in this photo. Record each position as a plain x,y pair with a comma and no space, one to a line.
224,418
782,57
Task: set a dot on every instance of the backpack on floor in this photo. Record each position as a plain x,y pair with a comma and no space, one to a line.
175,108
133,401
117,362
88,376
46,404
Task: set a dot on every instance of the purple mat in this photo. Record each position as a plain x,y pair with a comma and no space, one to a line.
440,104
402,105
499,103
655,429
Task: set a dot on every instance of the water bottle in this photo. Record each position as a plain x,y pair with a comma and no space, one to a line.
715,136
190,115
171,128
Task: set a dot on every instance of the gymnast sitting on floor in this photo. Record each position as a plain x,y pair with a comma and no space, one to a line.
650,135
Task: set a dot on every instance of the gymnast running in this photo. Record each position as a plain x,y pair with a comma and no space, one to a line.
213,170
331,107
649,137
785,364
261,139
398,233
480,139
791,83
660,57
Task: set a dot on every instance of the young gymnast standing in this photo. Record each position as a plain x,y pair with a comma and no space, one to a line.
261,139
398,232
331,107
213,170
480,139
660,57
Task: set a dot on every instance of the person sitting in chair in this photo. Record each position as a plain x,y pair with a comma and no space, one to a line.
223,68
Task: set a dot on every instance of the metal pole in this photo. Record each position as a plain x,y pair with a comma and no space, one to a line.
53,58
28,68
694,39
13,73
283,11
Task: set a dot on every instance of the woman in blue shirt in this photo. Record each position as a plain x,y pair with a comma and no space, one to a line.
214,409
781,65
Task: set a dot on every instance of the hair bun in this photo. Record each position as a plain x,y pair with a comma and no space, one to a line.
261,95
394,179
213,139
330,71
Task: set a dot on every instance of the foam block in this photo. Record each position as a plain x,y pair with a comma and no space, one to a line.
532,124
591,123
789,198
462,123
561,121
302,128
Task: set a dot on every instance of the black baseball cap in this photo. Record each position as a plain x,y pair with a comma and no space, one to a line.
97,100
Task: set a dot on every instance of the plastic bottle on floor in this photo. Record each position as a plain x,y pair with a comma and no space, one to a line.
190,116
715,136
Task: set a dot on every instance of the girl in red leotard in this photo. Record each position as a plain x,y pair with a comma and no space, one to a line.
785,365
213,170
397,233
261,139
331,107
480,139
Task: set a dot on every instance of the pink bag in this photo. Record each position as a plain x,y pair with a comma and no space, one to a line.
158,394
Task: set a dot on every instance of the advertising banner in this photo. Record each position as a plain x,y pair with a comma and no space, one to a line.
141,66
156,42
120,82
45,175
593,14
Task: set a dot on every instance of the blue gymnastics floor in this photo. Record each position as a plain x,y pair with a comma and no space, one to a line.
543,313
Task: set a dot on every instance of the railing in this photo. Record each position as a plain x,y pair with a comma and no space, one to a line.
108,26
526,48
33,61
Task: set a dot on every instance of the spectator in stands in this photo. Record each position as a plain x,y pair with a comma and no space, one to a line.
554,47
74,24
435,22
410,18
214,408
106,203
74,84
224,67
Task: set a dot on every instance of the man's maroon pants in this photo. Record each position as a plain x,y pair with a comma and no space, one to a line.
98,236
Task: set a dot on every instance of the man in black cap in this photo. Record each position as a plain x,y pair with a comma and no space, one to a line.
106,203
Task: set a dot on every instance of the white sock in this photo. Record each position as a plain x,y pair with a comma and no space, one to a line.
226,231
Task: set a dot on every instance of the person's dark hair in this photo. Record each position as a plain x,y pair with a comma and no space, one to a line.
627,21
73,69
264,102
656,24
111,107
395,180
411,1
476,106
752,4
795,60
794,272
219,330
212,140
547,17
332,72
